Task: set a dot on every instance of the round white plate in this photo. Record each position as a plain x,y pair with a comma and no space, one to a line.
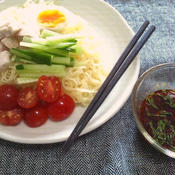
115,35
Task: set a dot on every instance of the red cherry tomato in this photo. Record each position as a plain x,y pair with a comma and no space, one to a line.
36,116
62,108
61,92
44,104
11,117
28,98
8,97
49,88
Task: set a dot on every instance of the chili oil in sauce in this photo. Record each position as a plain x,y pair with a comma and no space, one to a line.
157,114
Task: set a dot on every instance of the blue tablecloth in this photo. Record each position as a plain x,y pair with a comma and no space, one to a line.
116,148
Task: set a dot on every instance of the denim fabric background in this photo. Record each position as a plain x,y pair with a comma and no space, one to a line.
116,148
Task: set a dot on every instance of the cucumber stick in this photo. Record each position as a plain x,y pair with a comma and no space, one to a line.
39,67
38,56
51,41
29,74
59,41
64,45
19,54
18,59
54,51
47,48
34,56
61,60
34,40
35,70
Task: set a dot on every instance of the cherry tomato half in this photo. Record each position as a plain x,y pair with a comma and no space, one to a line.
62,108
36,116
8,97
27,98
49,88
11,117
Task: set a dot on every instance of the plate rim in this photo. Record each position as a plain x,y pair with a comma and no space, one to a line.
100,122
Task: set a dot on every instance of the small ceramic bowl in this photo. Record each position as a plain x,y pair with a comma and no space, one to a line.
156,78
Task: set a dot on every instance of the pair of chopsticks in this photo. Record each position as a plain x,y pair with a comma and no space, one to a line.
118,70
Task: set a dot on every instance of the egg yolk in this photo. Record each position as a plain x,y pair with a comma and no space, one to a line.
51,18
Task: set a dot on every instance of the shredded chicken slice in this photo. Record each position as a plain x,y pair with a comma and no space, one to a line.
10,42
2,47
8,29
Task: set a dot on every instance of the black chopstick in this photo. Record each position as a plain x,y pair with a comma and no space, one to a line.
111,80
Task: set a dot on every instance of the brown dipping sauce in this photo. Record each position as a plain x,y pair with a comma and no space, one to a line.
157,114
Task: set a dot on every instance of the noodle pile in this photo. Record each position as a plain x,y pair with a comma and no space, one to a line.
83,82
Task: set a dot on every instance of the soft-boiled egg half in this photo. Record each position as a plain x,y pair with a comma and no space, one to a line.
35,17
59,19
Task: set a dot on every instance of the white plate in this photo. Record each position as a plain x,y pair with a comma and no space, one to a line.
115,33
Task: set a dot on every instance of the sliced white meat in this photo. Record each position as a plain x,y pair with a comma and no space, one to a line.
4,30
4,60
8,29
10,42
2,47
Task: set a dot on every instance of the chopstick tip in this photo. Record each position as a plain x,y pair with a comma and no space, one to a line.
153,27
146,22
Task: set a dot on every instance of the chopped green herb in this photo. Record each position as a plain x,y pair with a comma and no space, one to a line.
159,117
165,113
150,101
160,133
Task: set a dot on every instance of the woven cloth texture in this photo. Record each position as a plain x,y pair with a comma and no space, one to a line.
116,148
